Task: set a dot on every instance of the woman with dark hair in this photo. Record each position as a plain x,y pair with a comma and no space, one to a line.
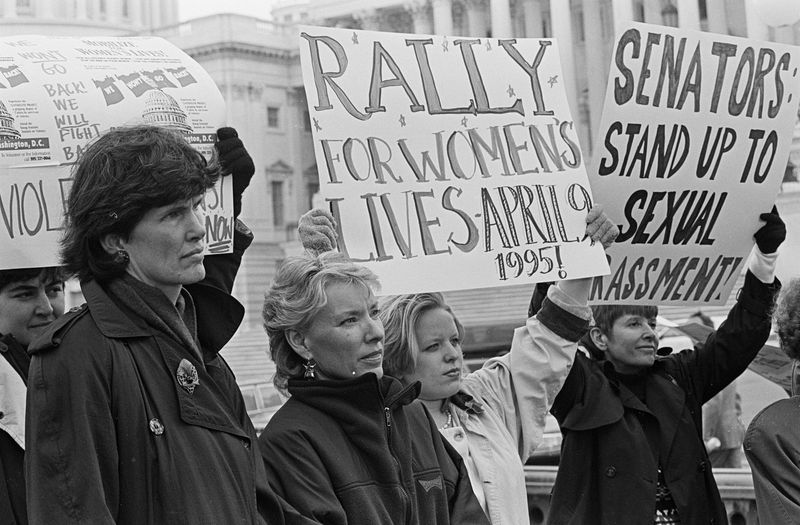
133,417
30,299
350,446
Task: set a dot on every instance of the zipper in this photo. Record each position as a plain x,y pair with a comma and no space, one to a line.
387,413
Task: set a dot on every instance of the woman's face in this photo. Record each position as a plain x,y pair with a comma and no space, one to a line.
166,245
439,359
346,337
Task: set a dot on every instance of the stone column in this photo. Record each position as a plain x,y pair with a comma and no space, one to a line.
652,12
370,19
443,17
755,27
135,12
596,66
114,11
80,9
420,11
44,8
476,17
561,19
501,18
623,13
532,12
717,18
688,14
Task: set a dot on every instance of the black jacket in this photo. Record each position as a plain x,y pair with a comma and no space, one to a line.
12,481
363,452
608,473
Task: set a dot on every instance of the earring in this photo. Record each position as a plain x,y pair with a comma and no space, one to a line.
309,367
122,257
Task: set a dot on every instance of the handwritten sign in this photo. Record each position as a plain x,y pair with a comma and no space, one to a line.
59,93
448,162
693,144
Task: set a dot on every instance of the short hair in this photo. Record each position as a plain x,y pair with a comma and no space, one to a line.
119,177
400,315
605,315
787,319
16,275
296,296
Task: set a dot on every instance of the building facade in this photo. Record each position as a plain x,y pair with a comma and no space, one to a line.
256,65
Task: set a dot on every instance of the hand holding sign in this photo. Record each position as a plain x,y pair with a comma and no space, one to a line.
317,230
772,234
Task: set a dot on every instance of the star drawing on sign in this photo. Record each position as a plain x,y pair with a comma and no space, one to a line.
510,91
402,121
445,43
355,37
316,125
464,122
553,80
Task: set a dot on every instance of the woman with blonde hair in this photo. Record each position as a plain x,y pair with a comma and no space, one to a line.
350,446
495,416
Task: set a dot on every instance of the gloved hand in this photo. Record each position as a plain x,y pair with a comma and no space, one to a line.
235,161
599,227
317,230
771,234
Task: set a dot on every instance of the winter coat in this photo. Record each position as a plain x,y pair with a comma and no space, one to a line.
14,363
515,392
608,472
772,447
115,434
362,452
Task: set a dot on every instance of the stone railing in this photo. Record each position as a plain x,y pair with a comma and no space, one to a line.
735,487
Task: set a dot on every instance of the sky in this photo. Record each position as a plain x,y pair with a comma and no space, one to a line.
188,9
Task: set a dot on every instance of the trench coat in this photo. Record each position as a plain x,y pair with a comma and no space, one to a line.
608,472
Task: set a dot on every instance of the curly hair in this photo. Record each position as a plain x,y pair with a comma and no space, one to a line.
400,315
787,319
121,175
296,296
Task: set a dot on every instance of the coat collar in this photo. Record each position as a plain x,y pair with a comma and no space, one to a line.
218,315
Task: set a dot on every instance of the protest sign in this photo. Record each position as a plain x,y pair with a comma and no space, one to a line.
59,93
692,147
449,163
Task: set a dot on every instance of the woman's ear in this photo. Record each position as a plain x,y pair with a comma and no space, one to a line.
599,339
112,243
298,343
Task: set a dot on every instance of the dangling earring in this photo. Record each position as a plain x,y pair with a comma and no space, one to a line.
309,367
122,257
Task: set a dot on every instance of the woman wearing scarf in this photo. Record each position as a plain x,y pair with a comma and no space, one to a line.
133,417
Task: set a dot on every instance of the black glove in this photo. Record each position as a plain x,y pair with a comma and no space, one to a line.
771,234
235,160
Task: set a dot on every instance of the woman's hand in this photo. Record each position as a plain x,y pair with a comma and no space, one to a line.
317,230
599,227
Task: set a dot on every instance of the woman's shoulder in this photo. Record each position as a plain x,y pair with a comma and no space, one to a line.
76,328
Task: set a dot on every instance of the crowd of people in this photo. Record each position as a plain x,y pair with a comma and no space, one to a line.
123,410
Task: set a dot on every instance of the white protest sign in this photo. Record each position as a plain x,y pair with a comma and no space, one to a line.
59,93
449,163
692,147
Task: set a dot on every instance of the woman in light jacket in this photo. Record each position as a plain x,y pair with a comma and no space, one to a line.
495,416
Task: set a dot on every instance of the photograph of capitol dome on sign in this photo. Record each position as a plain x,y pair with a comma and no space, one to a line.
160,109
7,129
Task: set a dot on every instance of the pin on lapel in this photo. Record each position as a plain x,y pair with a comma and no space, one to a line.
156,427
187,376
